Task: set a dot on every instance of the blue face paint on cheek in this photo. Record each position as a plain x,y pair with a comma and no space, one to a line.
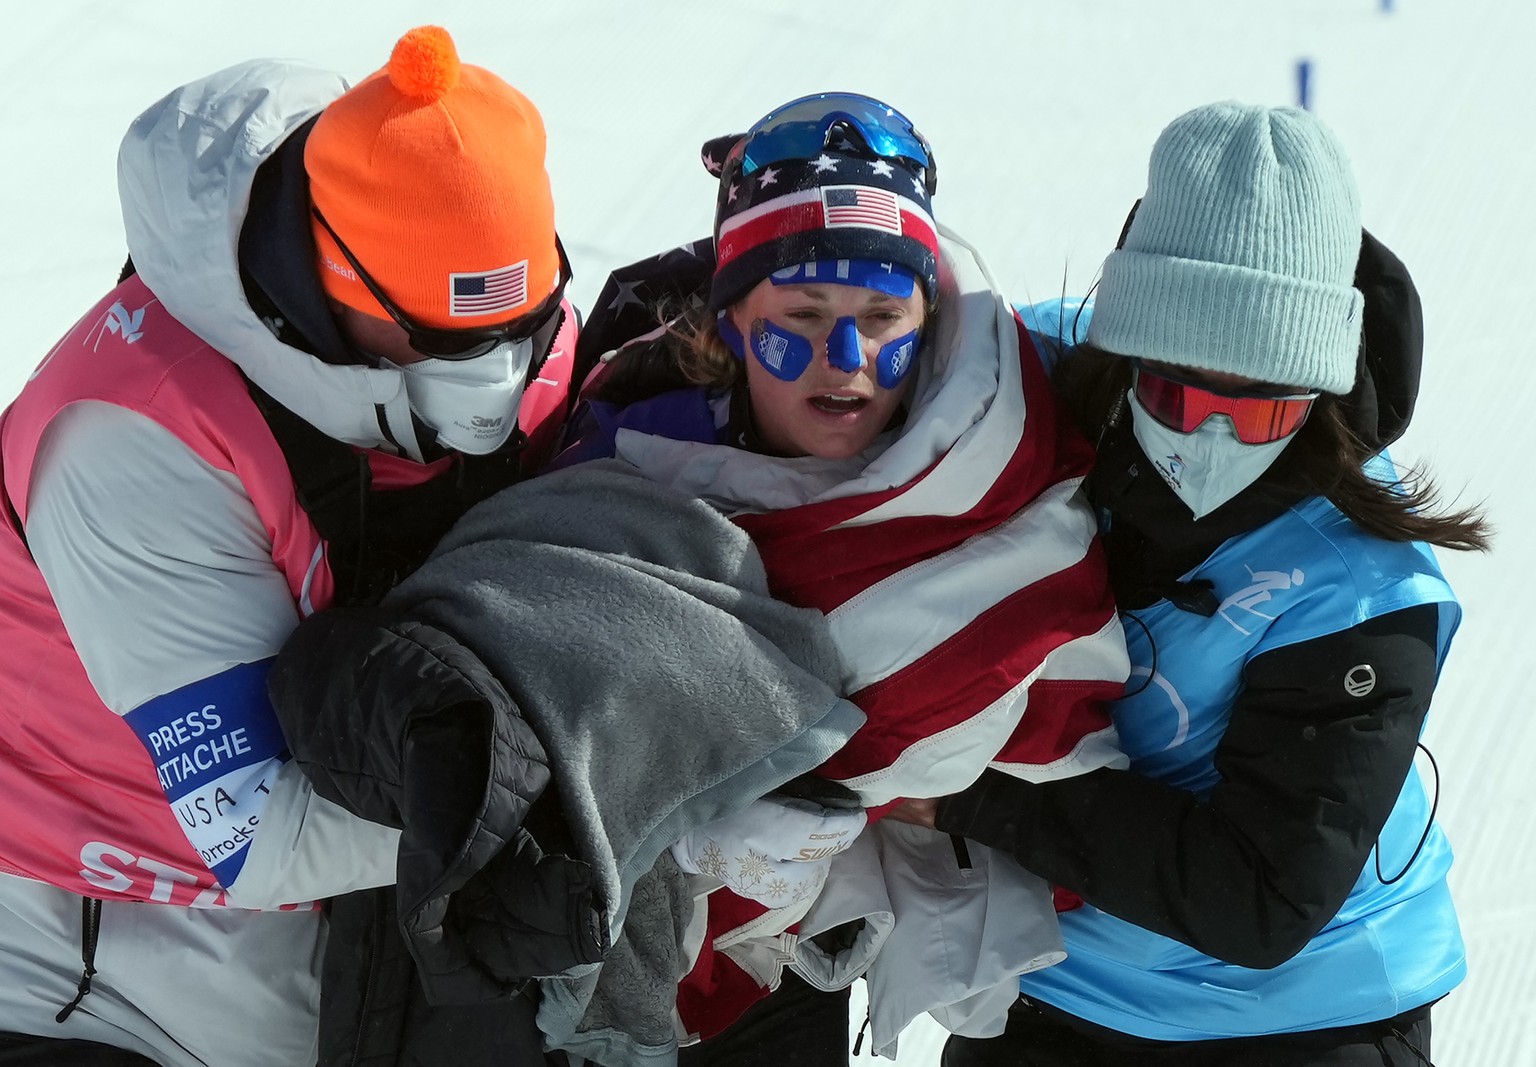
783,354
731,335
845,347
896,360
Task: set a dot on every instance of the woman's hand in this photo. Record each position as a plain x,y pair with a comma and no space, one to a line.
916,812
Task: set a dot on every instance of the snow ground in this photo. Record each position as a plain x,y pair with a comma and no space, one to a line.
1042,113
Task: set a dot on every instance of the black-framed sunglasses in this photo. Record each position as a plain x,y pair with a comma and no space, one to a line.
467,343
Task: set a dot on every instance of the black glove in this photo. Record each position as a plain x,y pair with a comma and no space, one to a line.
529,914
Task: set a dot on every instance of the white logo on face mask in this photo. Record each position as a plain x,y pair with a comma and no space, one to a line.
1205,468
471,403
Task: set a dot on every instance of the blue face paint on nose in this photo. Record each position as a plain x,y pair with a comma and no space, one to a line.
845,346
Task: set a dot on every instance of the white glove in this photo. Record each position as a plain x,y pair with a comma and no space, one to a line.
774,851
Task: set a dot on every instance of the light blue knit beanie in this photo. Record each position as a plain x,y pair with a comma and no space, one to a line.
1242,253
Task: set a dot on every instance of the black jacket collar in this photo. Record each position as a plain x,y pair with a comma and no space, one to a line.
1150,535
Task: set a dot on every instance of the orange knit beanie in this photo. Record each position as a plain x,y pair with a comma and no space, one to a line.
432,174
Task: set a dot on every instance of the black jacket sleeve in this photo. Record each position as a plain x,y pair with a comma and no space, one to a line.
368,700
1309,773
401,724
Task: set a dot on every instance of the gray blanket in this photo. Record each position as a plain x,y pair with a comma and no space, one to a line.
634,628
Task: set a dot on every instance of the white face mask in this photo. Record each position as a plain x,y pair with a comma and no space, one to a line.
1205,468
471,403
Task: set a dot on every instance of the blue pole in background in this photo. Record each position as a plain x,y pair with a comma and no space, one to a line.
1386,5
1304,83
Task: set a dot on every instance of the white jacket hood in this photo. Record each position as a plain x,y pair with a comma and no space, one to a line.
185,171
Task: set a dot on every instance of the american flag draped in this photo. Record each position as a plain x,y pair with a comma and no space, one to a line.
962,575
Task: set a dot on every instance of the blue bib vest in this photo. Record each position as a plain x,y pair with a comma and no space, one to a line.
1392,947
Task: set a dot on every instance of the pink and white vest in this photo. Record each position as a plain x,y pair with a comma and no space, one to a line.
88,796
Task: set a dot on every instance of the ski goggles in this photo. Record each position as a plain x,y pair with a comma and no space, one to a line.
448,344
803,128
1183,405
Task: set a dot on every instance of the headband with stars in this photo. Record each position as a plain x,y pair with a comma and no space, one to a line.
835,206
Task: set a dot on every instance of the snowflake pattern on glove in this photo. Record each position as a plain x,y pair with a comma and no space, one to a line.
768,852
754,865
712,860
807,889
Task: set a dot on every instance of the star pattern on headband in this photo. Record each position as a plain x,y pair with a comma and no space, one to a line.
882,168
730,197
918,185
711,164
767,178
824,162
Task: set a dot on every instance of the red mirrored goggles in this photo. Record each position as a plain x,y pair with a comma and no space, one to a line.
1182,405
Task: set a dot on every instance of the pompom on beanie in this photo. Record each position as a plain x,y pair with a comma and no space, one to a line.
431,172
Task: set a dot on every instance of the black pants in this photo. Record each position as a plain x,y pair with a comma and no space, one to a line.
797,1024
25,1050
1040,1036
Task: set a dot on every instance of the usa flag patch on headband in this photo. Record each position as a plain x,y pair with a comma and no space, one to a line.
503,289
859,205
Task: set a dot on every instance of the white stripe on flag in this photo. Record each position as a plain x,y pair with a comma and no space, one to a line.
906,615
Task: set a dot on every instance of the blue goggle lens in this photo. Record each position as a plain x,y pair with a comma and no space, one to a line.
799,130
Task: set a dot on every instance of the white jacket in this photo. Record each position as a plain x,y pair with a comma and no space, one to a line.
163,523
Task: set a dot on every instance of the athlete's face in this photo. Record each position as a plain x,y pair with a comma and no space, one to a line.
826,412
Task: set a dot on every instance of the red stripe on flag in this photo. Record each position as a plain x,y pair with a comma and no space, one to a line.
717,990
1061,713
985,660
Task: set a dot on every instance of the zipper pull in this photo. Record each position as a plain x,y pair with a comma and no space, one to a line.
858,1041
